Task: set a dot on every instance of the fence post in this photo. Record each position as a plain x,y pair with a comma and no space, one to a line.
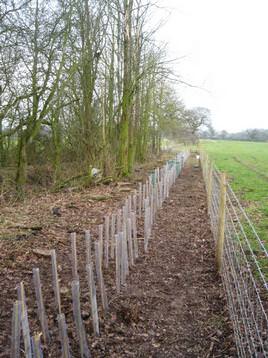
101,243
36,343
40,305
55,278
106,240
16,329
81,333
112,236
74,256
118,261
221,227
209,185
93,298
100,277
65,346
25,322
88,247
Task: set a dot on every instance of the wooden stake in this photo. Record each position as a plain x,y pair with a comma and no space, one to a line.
16,329
84,350
25,321
147,220
221,227
130,242
65,346
209,185
118,221
125,215
134,199
143,195
100,277
93,299
106,247
140,199
125,252
125,210
135,239
55,280
129,205
40,305
101,243
112,236
147,188
156,197
37,349
74,257
118,260
88,247
160,193
151,201
123,259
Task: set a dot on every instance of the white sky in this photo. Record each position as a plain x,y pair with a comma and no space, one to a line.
226,47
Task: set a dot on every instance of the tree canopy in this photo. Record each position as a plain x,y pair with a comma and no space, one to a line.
84,83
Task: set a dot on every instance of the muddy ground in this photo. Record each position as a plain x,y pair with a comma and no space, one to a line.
173,304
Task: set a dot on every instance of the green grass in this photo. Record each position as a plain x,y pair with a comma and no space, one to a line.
246,166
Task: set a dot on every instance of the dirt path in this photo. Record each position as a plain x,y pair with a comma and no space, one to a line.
176,299
173,305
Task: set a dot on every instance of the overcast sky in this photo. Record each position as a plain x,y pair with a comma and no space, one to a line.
226,47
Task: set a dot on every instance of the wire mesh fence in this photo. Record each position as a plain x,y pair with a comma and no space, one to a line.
243,264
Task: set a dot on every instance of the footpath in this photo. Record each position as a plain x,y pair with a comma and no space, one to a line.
174,305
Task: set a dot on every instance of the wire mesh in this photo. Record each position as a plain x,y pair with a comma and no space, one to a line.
244,269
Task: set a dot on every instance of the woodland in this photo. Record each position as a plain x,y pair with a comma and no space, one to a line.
84,85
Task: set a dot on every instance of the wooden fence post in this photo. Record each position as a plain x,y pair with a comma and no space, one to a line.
221,227
118,261
65,346
140,199
25,321
55,278
40,305
130,242
36,343
106,241
125,257
209,185
134,231
101,243
74,257
88,247
143,195
81,333
134,198
112,250
93,299
100,277
16,329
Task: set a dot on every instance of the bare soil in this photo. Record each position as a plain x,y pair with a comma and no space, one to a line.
173,304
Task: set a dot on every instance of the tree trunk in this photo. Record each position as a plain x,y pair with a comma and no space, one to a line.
56,137
21,174
126,96
2,150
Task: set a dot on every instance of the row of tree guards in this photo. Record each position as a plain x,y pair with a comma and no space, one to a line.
118,243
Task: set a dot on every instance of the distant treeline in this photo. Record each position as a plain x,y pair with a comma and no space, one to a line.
254,135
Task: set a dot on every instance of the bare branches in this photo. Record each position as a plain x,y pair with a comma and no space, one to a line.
84,77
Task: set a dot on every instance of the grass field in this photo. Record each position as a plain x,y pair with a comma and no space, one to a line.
246,165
